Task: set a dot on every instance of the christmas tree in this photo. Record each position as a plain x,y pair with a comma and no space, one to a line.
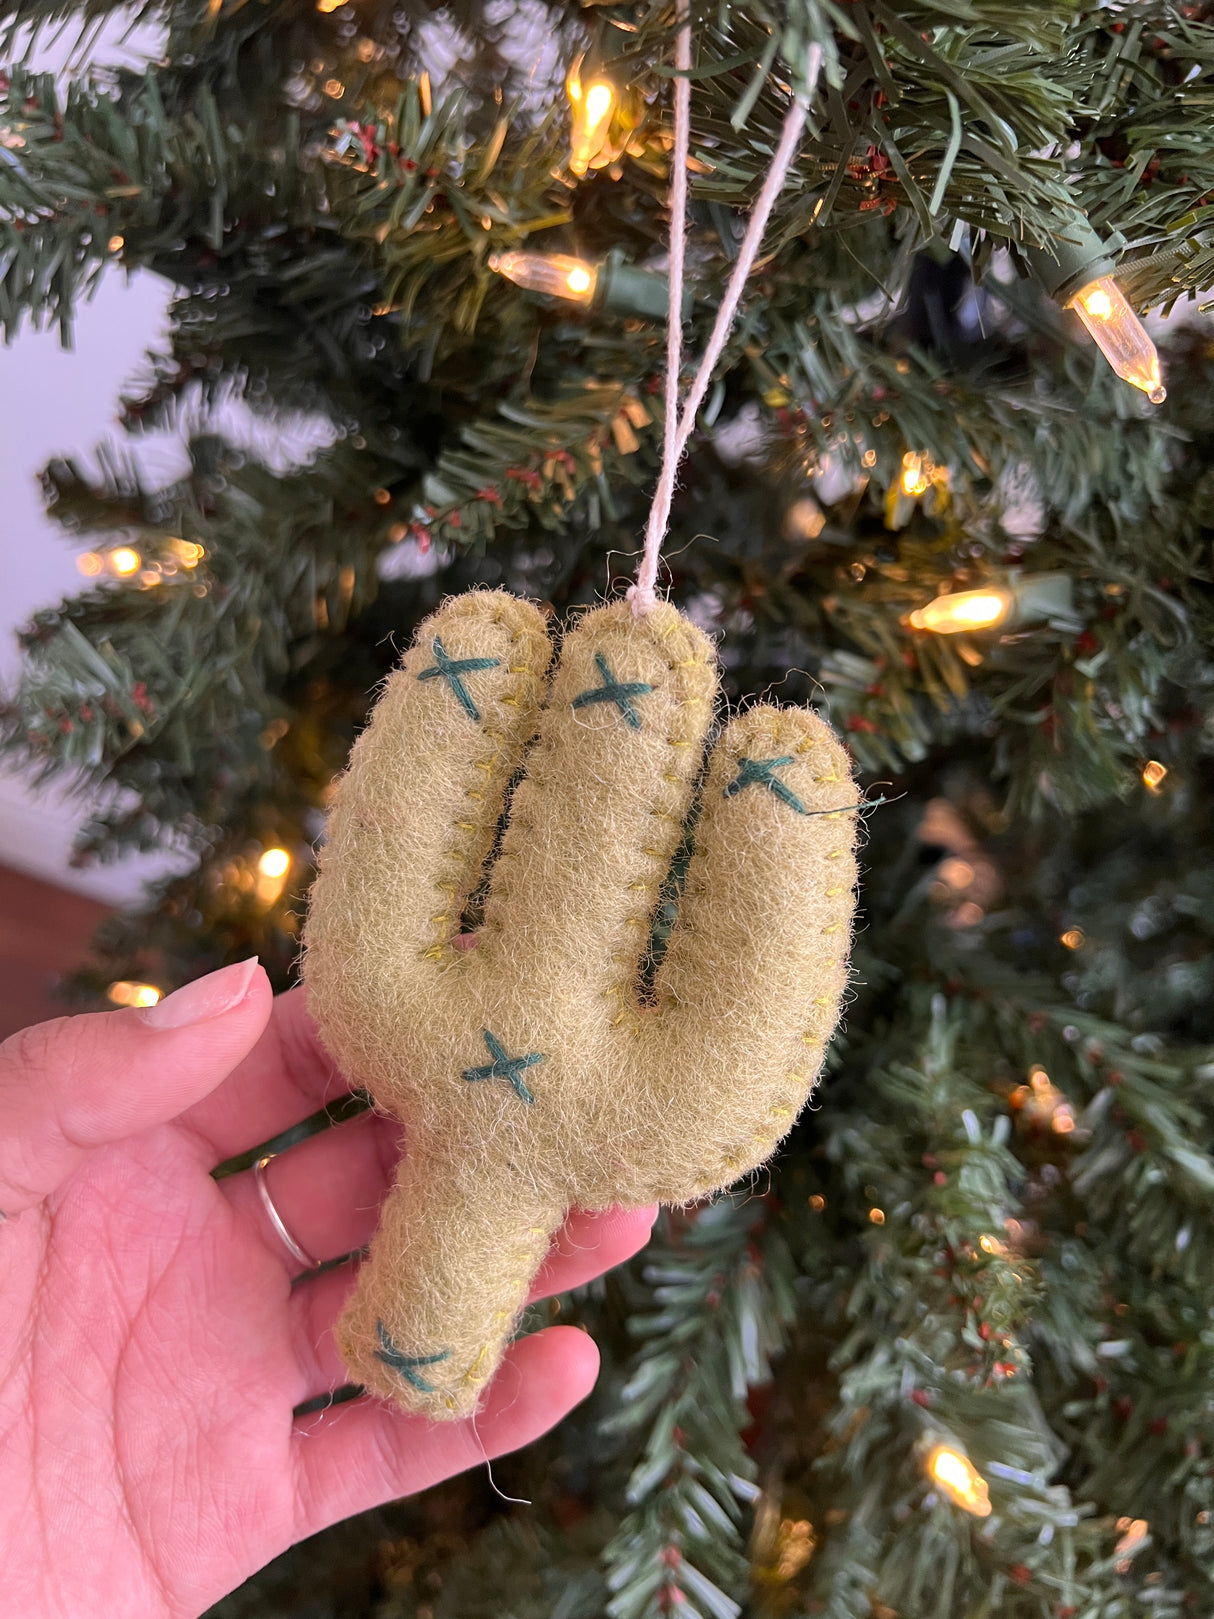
954,1355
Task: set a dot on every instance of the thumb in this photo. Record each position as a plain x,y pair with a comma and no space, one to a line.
79,1082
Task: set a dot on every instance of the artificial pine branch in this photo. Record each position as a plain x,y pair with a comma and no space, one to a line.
327,212
165,689
718,1301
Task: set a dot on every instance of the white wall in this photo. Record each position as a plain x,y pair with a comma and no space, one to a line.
58,402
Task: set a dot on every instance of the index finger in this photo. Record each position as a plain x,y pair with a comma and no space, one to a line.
287,1076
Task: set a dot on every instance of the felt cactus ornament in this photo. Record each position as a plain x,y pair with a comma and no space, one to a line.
530,1072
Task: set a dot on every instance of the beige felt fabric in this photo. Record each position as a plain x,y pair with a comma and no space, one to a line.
629,1102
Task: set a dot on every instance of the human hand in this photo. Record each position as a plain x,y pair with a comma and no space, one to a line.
155,1334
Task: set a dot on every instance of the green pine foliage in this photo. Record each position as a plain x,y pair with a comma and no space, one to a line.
992,1232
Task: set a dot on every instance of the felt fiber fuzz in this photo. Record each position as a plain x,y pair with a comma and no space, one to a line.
528,1072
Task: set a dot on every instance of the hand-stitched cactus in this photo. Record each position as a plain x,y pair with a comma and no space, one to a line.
529,1072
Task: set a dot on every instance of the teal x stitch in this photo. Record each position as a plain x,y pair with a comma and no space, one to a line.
504,1067
614,691
452,670
407,1365
758,772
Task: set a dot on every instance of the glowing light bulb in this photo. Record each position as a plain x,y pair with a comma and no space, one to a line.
272,869
274,863
90,564
1072,938
1063,1120
804,519
593,105
915,474
1120,336
1098,304
960,1480
125,993
1134,1532
1153,774
124,561
599,98
967,610
956,873
188,553
556,274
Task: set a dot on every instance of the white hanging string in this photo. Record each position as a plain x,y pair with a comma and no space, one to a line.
678,428
643,594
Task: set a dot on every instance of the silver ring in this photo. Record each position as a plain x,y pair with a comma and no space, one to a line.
276,1220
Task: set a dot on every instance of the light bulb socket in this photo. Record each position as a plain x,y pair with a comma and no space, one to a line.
1076,255
1041,598
622,289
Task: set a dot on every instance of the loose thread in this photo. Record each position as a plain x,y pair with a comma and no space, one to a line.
515,1500
642,595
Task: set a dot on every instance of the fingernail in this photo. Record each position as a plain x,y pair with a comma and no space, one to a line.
205,998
